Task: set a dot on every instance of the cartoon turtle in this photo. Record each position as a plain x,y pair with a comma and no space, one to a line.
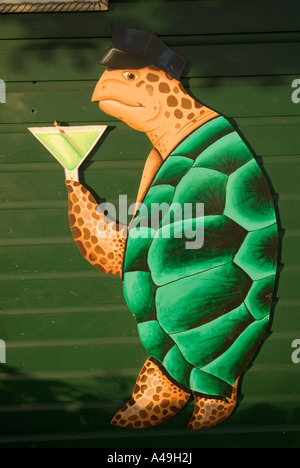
202,313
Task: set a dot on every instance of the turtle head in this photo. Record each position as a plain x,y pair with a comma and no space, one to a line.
131,96
141,87
145,98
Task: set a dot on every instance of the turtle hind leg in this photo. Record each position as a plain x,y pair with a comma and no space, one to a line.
210,412
155,399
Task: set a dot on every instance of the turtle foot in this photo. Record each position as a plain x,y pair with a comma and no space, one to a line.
155,399
210,412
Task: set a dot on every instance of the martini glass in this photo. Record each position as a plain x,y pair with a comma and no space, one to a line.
69,145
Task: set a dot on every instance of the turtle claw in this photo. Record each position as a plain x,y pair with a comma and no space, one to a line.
155,399
211,412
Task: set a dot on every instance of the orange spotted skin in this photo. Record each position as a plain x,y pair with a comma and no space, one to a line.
151,101
209,412
154,400
105,252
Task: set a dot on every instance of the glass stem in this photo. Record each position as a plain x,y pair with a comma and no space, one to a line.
72,175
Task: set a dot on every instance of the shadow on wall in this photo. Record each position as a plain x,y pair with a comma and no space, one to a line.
222,44
41,412
41,405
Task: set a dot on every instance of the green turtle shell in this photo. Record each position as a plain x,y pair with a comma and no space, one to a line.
202,313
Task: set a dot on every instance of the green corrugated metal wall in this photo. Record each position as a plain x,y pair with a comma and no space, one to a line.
72,347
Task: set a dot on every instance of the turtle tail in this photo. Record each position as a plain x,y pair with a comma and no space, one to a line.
210,412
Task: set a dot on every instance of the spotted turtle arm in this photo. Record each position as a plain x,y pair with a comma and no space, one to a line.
101,242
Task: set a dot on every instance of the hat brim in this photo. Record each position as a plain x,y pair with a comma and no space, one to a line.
119,59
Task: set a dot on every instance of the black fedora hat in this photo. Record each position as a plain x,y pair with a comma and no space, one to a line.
133,49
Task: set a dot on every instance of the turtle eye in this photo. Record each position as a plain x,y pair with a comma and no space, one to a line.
129,76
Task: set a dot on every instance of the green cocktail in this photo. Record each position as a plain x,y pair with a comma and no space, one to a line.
69,145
